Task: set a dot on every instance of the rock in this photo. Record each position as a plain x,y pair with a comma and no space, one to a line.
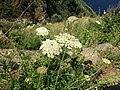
108,47
91,54
15,55
71,22
72,19
94,54
104,47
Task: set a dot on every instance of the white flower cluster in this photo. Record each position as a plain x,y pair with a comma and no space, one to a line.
42,31
106,61
98,22
51,48
68,41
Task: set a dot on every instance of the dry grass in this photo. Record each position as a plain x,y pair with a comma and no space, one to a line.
61,26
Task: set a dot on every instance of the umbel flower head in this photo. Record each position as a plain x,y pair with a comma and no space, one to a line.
67,40
50,48
41,70
42,31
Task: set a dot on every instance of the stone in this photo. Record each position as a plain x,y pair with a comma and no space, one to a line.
91,54
72,19
108,47
104,47
94,54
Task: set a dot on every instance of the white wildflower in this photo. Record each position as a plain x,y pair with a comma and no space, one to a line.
51,48
106,61
42,31
68,41
28,80
98,22
87,77
104,12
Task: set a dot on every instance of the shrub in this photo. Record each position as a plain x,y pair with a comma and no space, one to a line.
56,18
25,38
102,30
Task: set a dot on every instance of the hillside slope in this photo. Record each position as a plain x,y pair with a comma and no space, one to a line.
43,8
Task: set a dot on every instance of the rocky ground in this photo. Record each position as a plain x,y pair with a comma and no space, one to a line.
91,53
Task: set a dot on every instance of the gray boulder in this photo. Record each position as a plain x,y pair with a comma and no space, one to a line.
94,55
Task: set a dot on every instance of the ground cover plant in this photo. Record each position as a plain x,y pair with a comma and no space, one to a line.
49,57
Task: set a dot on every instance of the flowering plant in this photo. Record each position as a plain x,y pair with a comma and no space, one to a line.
54,47
68,41
51,48
42,31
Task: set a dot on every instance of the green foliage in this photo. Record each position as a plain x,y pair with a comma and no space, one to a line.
7,10
25,39
63,72
6,25
107,31
111,28
112,56
56,18
67,8
4,8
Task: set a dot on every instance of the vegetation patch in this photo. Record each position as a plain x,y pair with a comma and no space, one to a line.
82,54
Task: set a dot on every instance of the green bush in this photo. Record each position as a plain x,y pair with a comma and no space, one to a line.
25,38
47,73
63,71
107,31
111,27
56,18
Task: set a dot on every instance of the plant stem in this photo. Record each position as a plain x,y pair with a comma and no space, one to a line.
60,66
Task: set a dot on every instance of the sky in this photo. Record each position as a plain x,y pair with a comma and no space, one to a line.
101,5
